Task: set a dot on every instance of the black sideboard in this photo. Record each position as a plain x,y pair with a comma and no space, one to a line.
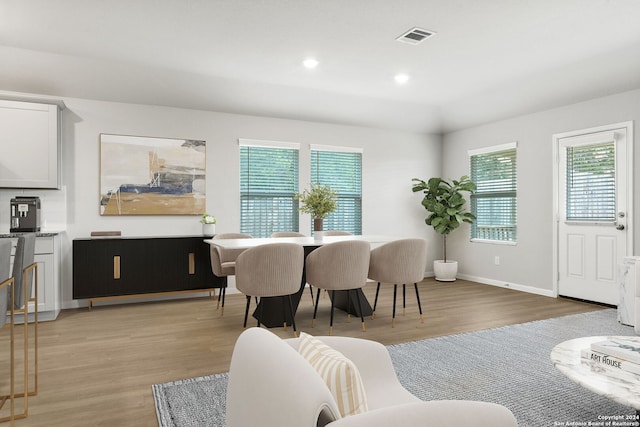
112,268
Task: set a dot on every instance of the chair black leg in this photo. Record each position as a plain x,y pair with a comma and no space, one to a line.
404,299
284,313
364,329
223,291
293,316
315,310
393,319
246,312
375,302
348,305
311,293
261,310
419,305
333,298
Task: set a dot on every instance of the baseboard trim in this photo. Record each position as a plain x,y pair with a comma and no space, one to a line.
507,285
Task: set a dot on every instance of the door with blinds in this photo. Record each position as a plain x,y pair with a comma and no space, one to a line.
593,221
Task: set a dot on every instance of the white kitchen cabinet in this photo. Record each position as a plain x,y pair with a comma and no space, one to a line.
47,256
30,142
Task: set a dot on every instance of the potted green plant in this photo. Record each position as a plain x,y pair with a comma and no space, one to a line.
208,224
318,201
446,204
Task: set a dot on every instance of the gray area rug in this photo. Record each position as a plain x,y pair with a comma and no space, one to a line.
508,365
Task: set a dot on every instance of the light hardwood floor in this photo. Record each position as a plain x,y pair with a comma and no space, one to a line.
97,368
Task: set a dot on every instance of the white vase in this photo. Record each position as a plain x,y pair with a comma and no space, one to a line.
208,229
445,271
317,229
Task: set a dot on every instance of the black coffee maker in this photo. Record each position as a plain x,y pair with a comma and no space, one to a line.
25,214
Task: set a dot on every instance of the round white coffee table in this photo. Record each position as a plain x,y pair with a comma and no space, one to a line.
623,388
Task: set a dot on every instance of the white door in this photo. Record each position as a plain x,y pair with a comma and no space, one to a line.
593,179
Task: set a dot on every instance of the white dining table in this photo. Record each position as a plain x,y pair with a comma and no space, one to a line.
373,239
269,311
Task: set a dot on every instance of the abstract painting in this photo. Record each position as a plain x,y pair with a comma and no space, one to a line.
142,175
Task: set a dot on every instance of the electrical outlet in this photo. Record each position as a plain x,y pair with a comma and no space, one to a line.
496,260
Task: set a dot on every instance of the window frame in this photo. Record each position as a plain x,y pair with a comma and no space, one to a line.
357,229
487,151
604,141
295,219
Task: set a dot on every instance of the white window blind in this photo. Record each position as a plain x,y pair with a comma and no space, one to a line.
591,182
268,184
341,169
494,202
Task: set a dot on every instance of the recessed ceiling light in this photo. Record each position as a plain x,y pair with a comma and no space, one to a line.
401,78
310,63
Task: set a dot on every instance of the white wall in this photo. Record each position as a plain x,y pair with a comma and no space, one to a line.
390,160
529,264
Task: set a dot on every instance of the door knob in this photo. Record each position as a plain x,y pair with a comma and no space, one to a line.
619,227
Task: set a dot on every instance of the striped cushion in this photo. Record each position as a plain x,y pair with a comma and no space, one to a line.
339,373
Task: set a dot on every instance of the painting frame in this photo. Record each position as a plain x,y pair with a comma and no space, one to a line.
145,175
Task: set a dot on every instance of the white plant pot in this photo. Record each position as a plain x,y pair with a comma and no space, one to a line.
445,271
208,229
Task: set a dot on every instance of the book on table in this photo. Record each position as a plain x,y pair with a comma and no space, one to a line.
627,348
610,364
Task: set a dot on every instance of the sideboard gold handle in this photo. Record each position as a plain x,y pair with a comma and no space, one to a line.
192,263
116,266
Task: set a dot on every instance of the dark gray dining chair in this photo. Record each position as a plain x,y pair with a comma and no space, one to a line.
24,272
24,257
5,268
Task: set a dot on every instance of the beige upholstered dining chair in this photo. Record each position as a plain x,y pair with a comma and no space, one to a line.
287,234
340,266
292,234
223,261
270,270
336,233
399,262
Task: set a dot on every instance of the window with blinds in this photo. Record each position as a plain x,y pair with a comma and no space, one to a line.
342,171
494,202
268,184
591,182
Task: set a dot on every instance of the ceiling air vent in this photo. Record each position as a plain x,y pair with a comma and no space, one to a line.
415,36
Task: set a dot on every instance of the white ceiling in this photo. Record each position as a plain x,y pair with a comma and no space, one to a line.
489,60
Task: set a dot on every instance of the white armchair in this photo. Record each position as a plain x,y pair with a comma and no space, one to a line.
271,384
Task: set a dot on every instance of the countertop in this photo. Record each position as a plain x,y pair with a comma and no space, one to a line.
38,234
